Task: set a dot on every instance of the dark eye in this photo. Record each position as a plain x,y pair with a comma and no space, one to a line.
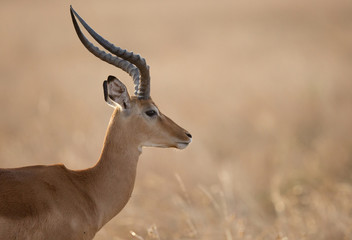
151,113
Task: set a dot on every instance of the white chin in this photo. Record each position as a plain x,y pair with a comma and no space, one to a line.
181,145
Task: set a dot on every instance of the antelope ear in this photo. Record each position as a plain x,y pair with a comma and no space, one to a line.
116,94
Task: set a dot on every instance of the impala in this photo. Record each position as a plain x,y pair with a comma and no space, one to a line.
53,202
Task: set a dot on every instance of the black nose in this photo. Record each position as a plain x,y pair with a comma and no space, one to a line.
188,135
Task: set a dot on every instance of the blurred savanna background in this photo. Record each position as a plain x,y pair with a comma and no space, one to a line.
265,88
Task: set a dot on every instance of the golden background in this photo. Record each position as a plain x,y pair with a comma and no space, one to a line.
265,88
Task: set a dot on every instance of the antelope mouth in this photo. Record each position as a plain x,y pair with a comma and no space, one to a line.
182,145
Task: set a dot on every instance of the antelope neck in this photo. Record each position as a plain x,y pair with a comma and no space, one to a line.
114,174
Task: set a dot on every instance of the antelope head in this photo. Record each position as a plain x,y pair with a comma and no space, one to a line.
139,114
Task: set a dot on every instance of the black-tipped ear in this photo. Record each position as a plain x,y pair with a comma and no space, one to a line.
115,93
112,78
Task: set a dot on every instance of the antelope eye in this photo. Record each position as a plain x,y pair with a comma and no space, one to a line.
151,113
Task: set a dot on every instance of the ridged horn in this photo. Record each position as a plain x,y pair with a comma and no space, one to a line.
131,63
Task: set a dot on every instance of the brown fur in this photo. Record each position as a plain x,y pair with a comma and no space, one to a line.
53,202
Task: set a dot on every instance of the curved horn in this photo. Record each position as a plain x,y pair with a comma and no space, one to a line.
131,63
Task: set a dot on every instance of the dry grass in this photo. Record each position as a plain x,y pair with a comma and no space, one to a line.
265,89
